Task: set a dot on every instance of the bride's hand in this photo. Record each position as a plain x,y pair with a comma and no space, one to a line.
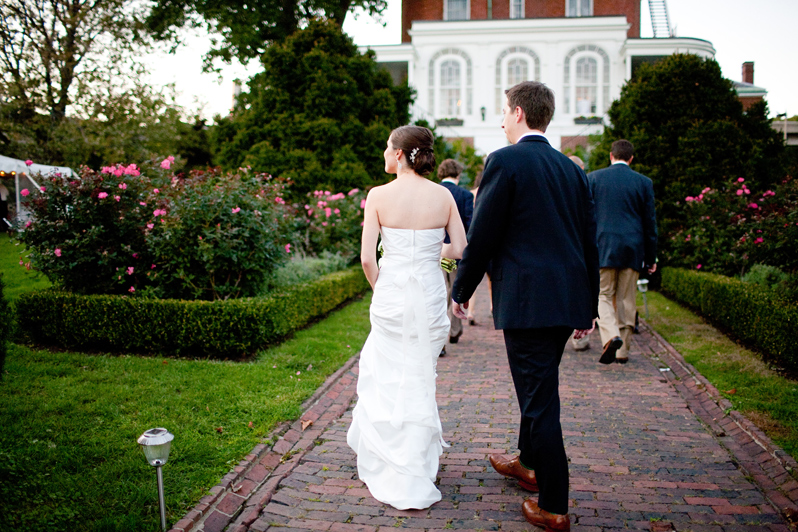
457,309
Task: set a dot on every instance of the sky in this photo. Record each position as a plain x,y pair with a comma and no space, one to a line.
740,30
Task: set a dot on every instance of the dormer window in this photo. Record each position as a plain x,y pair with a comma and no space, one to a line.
579,8
455,9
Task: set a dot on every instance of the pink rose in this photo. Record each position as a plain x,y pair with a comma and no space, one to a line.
740,180
117,198
362,204
132,170
337,211
130,270
131,290
753,206
155,191
152,267
107,169
328,212
27,224
43,189
237,209
150,226
28,162
57,252
142,204
698,267
324,224
288,248
102,195
118,171
279,200
25,192
166,164
759,240
353,192
740,192
123,186
689,199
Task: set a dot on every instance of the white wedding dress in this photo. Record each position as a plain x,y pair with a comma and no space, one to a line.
396,431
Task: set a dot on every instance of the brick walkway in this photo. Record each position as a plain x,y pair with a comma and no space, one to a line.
649,444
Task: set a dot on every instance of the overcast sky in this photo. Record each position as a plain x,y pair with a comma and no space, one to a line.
740,30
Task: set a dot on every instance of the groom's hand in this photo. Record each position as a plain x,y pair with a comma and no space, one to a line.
457,309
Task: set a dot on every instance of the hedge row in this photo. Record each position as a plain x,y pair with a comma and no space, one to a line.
218,329
6,323
750,312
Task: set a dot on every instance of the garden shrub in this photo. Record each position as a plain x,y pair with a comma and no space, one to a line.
6,323
753,314
765,276
233,328
305,269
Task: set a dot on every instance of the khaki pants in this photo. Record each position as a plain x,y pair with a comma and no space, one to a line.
457,324
619,319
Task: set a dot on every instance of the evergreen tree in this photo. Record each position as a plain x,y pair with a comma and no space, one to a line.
319,114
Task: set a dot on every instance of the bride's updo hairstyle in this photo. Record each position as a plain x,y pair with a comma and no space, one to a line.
416,143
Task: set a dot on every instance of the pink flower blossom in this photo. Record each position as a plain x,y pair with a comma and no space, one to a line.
307,206
328,212
705,190
117,198
700,197
166,164
123,186
21,263
150,226
746,191
337,211
27,224
288,248
321,204
758,230
118,171
336,197
152,267
25,192
143,204
298,372
324,224
353,192
697,266
131,290
107,169
155,191
753,206
43,189
158,212
310,212
689,199
237,209
362,204
102,195
740,192
326,192
759,240
130,270
57,252
740,180
132,170
135,255
742,238
279,200
28,162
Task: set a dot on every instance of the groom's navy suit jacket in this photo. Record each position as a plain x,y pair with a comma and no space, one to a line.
465,204
534,230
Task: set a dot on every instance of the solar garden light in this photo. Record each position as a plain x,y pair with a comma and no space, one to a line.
642,287
155,443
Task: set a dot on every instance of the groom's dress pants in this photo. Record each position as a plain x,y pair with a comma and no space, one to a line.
534,356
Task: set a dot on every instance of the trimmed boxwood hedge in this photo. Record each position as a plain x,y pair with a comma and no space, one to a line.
750,312
219,329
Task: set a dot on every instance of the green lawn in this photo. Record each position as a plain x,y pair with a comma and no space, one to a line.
68,454
16,277
763,395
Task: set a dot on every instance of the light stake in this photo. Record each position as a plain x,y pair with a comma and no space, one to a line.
155,443
642,287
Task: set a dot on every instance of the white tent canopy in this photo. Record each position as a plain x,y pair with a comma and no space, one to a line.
20,169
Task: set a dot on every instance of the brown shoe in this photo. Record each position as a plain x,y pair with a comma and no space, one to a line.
511,467
545,520
610,348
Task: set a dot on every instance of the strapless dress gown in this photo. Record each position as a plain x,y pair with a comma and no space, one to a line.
396,430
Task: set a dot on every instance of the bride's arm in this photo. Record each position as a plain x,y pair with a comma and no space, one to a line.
368,244
457,235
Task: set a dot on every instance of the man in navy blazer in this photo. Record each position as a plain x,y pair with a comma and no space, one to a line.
627,240
534,229
449,173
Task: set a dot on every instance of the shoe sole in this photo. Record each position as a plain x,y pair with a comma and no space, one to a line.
621,360
527,486
608,357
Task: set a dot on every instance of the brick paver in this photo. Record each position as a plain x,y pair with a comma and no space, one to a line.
651,444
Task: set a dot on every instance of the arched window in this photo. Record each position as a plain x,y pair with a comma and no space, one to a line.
456,9
513,66
450,92
578,8
586,83
516,8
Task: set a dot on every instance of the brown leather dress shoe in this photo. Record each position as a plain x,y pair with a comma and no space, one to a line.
511,467
548,521
610,348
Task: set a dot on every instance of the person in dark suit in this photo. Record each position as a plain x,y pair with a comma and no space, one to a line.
534,229
449,173
627,239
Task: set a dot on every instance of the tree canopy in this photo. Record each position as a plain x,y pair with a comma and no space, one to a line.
244,28
688,127
319,114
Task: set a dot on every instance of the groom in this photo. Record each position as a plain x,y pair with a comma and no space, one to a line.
534,231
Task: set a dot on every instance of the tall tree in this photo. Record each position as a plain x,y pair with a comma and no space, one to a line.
244,28
320,113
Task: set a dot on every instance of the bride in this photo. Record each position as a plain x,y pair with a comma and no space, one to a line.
396,431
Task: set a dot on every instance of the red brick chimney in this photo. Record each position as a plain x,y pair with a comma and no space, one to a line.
748,72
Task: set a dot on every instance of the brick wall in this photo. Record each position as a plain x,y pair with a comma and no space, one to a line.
630,8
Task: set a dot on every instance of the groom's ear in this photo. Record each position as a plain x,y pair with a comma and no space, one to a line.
519,115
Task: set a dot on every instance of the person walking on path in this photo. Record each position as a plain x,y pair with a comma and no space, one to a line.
626,225
449,173
534,224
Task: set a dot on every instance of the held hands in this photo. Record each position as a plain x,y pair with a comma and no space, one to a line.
457,309
581,333
653,268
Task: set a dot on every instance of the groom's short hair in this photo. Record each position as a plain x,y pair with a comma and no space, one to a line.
536,100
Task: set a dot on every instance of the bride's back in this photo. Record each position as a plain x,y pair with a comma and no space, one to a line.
412,202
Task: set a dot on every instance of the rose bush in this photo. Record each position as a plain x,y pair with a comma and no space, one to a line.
329,222
729,229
